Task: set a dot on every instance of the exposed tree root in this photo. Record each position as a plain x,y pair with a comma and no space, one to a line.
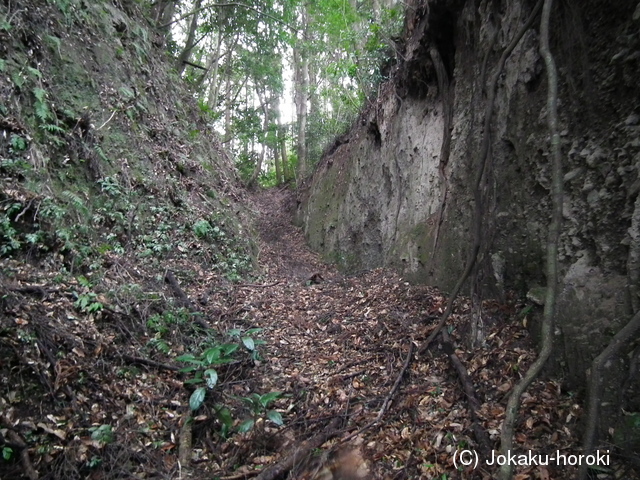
445,149
480,169
19,444
546,333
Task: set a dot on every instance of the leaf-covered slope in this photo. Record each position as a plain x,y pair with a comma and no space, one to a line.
111,183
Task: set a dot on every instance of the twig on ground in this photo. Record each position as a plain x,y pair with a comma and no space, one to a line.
387,400
150,363
484,443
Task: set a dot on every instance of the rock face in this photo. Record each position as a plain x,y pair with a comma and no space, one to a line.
390,193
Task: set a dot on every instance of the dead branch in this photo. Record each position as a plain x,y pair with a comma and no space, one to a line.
259,285
285,465
182,297
595,386
186,437
150,363
546,332
484,443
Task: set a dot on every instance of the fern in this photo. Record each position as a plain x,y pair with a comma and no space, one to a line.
126,92
75,201
36,73
52,128
40,94
101,153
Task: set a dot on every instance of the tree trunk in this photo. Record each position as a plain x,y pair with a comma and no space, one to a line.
286,166
301,79
228,95
212,69
191,37
265,129
163,11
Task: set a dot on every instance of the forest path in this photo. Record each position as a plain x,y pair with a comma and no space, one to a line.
336,344
336,348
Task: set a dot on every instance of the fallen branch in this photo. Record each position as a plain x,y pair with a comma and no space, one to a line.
150,363
186,438
305,448
259,285
184,300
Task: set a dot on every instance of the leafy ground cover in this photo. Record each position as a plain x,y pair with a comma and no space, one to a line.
185,374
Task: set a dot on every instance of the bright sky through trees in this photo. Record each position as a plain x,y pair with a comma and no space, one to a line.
282,78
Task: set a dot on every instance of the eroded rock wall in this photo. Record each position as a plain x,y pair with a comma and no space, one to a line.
385,195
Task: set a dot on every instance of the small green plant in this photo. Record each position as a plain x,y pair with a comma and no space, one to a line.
7,453
103,434
202,368
94,462
88,303
248,341
223,414
9,237
258,405
202,228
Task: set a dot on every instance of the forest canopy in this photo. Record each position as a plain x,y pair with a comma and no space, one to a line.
280,79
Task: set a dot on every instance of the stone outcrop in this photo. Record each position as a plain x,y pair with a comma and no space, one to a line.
389,193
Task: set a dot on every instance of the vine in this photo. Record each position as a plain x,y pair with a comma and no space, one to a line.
546,333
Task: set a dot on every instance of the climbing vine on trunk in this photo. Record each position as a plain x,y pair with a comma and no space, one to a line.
552,246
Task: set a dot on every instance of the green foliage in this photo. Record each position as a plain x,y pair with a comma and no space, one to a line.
7,453
88,303
202,367
258,406
9,237
103,434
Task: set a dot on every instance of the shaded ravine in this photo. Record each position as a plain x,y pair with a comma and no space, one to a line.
335,347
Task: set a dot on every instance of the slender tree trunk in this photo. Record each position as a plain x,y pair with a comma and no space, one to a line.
228,96
286,166
265,132
163,11
301,67
212,69
191,36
